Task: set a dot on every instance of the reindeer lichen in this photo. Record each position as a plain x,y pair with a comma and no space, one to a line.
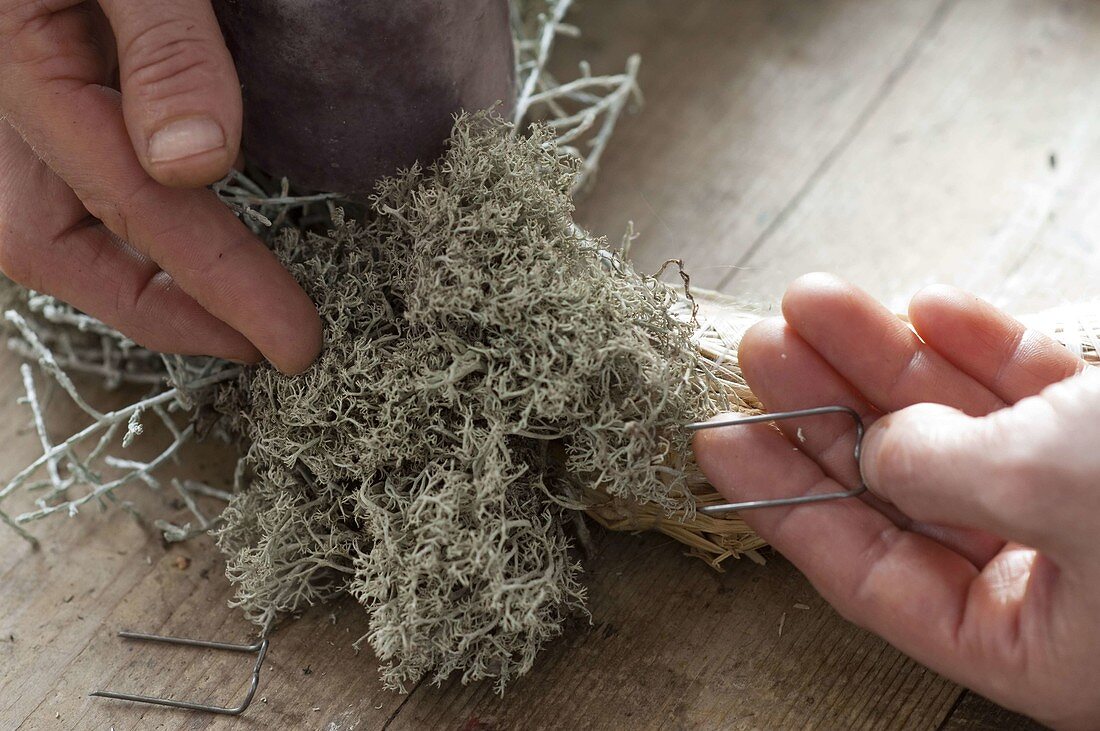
486,363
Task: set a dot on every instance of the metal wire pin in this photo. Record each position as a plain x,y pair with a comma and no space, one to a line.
780,416
259,647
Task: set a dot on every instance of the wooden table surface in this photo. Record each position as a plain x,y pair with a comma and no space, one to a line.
895,142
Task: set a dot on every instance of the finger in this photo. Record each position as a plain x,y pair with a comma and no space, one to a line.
940,465
70,256
180,95
875,351
787,374
906,587
194,238
994,349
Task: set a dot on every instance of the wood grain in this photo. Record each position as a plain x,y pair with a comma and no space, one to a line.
951,179
974,713
746,104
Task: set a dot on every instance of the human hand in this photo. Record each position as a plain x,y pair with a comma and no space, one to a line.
977,553
84,168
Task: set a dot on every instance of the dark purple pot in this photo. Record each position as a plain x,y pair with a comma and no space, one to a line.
339,93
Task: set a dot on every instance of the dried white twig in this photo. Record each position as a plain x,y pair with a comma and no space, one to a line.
86,471
585,109
40,425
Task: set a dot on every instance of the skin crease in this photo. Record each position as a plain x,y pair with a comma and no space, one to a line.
130,237
977,552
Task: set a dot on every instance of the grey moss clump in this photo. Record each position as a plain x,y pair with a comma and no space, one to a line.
486,368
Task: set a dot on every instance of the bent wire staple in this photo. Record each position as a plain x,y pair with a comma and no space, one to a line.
260,648
780,416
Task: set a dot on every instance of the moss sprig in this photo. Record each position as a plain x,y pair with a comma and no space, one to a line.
486,361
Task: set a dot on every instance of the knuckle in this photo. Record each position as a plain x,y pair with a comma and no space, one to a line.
40,50
119,212
130,297
109,212
904,370
870,594
169,59
1010,348
135,303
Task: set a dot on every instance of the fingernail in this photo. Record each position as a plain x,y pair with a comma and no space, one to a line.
868,449
183,138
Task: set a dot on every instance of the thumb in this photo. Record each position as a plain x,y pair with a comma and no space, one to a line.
938,465
180,93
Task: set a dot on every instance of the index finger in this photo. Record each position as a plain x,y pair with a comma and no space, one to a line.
875,351
76,125
996,350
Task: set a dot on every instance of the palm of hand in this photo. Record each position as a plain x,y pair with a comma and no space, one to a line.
928,569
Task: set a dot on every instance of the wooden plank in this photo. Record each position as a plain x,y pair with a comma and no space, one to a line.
1056,259
671,646
974,713
60,608
745,103
951,179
